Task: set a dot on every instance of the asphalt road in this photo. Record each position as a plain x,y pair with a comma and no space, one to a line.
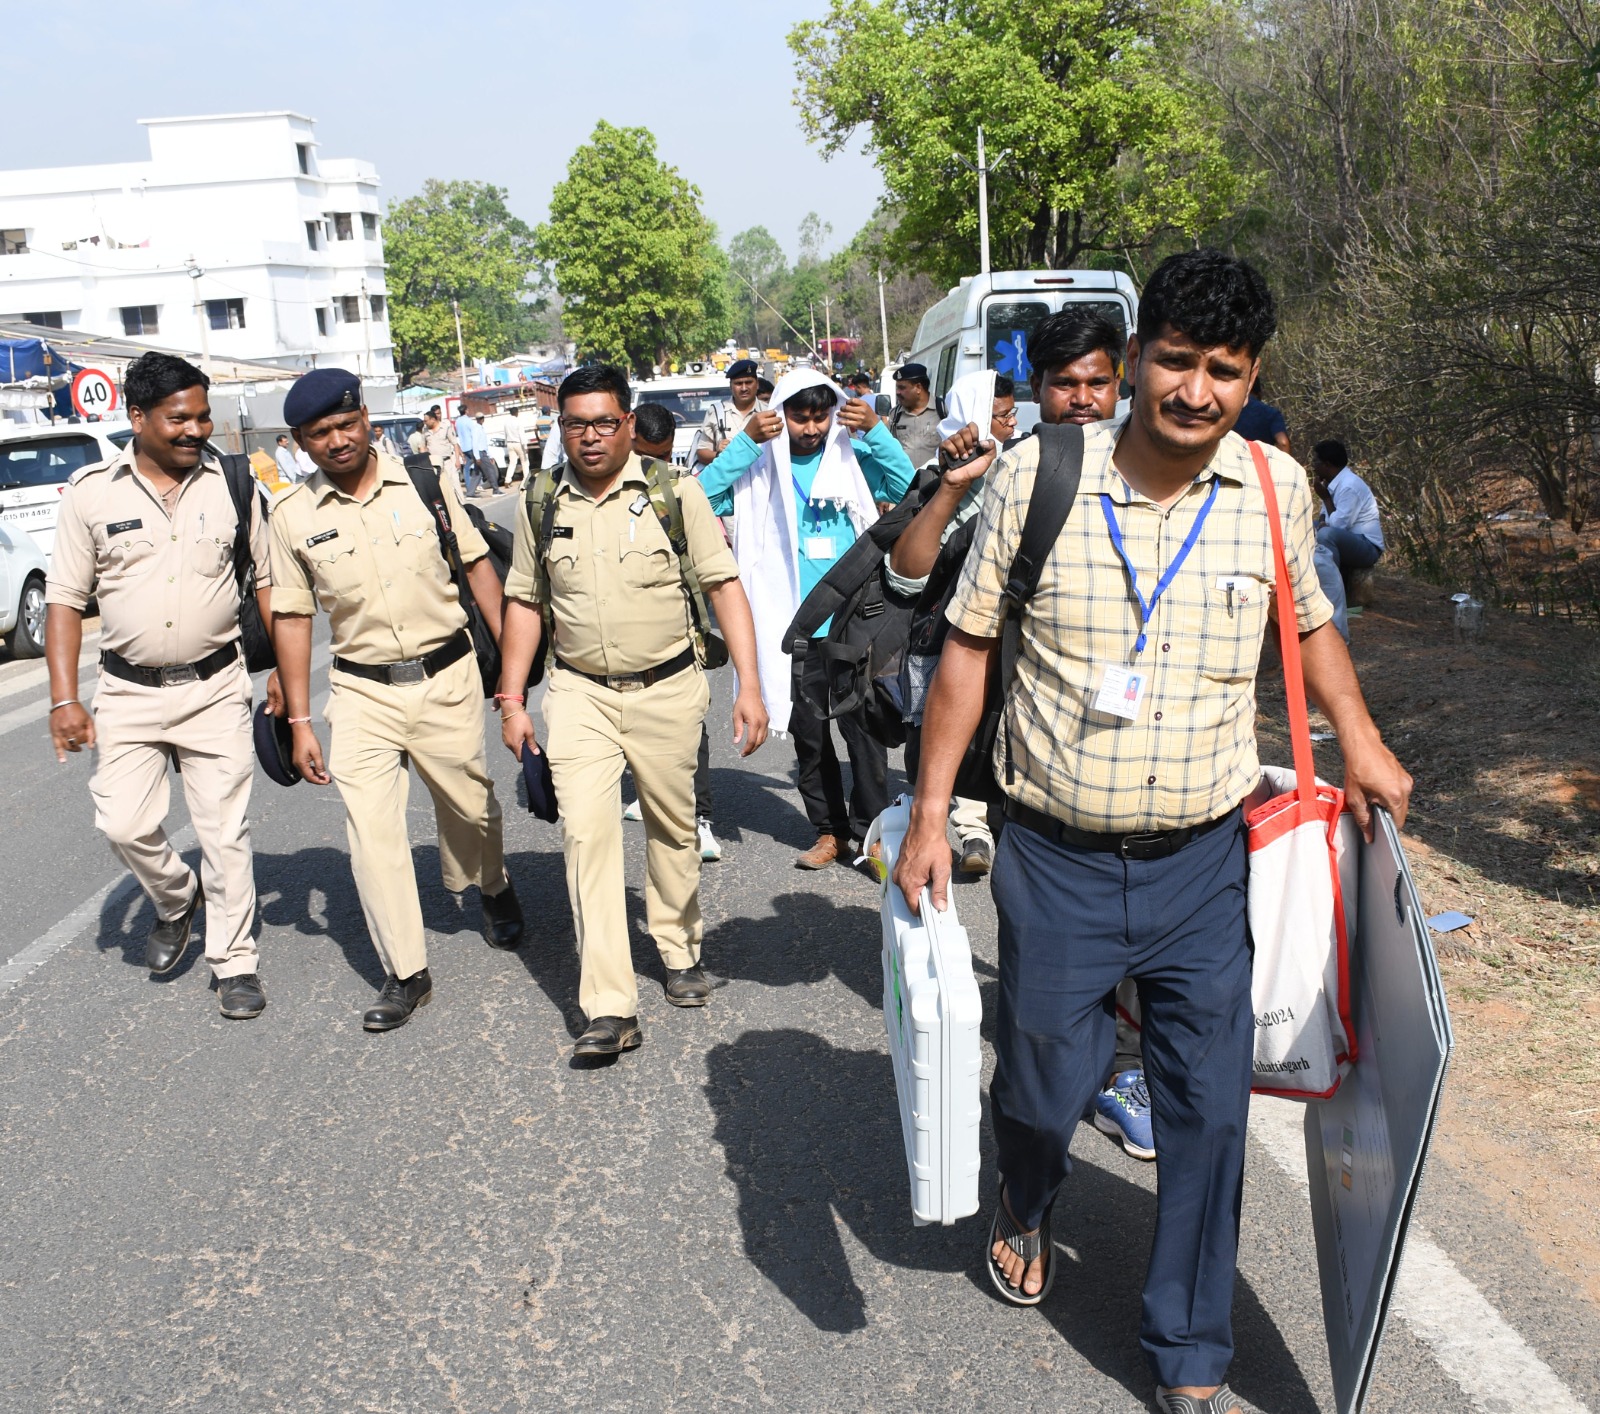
292,1214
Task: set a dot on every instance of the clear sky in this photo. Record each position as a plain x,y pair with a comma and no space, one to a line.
501,93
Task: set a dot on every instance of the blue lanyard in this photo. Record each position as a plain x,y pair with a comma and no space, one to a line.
1147,610
805,500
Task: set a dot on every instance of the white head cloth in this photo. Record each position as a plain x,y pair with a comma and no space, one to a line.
970,399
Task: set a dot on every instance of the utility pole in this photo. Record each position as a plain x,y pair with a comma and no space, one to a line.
883,319
366,325
461,352
827,338
813,310
983,208
195,272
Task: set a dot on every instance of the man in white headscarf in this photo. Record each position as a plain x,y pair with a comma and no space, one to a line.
800,491
981,406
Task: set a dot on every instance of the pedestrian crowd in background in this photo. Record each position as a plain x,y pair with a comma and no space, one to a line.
1114,828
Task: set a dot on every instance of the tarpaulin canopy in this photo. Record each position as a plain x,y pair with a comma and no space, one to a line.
24,360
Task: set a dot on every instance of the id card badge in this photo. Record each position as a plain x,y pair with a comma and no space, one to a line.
1122,692
817,547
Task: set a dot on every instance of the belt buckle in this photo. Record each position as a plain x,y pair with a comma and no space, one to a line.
624,682
404,674
1145,846
179,674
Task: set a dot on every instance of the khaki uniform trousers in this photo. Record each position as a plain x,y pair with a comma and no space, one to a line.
438,724
592,731
206,725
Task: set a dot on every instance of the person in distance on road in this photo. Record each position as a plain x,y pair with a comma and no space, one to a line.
1125,792
627,688
150,534
724,422
653,433
439,437
801,490
404,688
283,454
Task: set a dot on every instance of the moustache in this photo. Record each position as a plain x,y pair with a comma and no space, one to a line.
1179,406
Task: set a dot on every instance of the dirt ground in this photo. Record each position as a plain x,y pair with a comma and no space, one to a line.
1502,736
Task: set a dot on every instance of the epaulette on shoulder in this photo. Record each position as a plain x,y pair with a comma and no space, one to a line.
94,468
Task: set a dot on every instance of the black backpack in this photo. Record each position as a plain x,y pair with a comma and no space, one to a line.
245,488
485,648
856,667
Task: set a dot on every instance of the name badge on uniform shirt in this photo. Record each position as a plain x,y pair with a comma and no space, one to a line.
122,526
1122,692
817,547
561,532
318,539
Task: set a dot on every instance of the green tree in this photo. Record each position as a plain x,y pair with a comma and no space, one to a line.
1109,141
458,240
755,259
636,261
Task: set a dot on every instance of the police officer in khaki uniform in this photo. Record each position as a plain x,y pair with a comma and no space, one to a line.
625,688
358,539
151,535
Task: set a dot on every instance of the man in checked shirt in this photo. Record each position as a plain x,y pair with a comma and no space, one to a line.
1131,726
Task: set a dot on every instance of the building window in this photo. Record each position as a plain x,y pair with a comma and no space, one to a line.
377,306
13,242
302,150
369,225
50,319
350,308
313,230
225,313
343,226
139,319
322,320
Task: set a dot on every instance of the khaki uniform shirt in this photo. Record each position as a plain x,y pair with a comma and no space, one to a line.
616,589
917,432
375,566
725,422
1190,755
441,444
165,584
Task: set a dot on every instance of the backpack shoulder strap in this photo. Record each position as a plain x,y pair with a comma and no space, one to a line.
539,506
425,481
241,479
669,511
1055,488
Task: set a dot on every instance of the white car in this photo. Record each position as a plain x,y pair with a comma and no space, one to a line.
22,571
37,460
687,397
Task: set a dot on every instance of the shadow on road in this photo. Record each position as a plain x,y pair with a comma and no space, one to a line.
811,1137
807,938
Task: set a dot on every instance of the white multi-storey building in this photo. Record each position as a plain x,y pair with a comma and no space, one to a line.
235,240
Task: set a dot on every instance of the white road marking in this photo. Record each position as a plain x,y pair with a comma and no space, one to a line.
1495,1367
48,944
36,675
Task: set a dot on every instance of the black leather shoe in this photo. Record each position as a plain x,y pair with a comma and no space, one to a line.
397,1001
242,997
169,940
502,919
610,1036
688,986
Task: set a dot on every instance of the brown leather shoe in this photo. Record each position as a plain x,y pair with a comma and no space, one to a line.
820,855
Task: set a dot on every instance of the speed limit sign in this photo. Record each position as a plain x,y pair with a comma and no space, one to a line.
93,393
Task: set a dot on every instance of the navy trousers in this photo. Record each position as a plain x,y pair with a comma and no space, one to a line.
1074,923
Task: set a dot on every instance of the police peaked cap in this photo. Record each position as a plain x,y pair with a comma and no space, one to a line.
743,368
911,373
275,746
320,392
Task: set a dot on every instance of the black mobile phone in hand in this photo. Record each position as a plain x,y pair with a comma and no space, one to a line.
982,450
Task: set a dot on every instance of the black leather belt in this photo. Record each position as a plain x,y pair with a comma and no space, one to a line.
175,673
629,682
413,669
1154,844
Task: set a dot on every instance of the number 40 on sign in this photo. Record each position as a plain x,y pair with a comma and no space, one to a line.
94,394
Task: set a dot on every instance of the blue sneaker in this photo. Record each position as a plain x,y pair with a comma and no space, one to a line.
1122,1110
